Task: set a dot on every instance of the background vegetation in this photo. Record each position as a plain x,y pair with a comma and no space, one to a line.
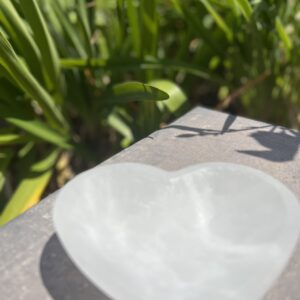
81,79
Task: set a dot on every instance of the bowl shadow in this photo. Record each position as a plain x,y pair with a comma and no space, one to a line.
62,278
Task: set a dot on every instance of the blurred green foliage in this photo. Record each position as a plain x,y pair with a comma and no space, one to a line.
79,78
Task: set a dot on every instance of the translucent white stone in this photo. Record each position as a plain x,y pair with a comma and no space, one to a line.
213,231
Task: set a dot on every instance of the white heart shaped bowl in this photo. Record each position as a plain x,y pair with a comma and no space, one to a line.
213,231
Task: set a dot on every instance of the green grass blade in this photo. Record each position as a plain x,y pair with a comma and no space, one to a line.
19,116
12,139
121,14
196,25
150,26
17,29
30,188
28,83
133,18
234,6
218,19
74,63
121,27
40,130
103,47
287,42
245,8
136,64
116,121
5,74
85,26
45,43
69,30
134,91
177,6
120,9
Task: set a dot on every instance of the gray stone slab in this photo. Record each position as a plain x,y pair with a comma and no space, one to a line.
33,264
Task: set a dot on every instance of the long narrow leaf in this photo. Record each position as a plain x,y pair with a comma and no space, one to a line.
28,83
30,188
150,26
117,122
69,30
121,16
234,6
19,116
45,43
139,65
12,139
84,22
246,8
196,25
134,23
177,6
283,35
40,130
16,27
218,19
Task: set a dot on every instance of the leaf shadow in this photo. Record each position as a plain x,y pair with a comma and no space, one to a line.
281,144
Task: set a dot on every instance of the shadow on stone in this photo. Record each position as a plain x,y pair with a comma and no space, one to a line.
280,144
195,131
62,278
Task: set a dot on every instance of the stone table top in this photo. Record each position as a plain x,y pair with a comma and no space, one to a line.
33,264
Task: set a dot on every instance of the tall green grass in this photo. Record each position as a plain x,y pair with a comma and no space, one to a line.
80,79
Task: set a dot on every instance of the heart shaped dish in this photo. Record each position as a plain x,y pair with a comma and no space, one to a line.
213,231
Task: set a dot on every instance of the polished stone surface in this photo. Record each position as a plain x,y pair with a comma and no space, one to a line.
211,231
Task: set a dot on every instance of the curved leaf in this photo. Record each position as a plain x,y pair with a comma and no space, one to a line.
134,91
177,96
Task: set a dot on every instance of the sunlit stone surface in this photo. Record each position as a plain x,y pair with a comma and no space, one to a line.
213,231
